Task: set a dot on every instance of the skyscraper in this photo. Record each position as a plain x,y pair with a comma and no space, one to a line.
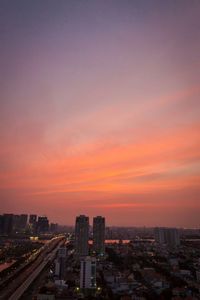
99,235
53,227
88,273
23,222
60,263
42,225
81,235
33,223
16,223
20,223
32,219
1,224
8,222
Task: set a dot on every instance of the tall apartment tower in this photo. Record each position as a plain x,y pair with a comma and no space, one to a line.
60,263
159,233
8,223
42,224
88,273
32,219
23,222
81,235
99,235
167,236
172,237
33,223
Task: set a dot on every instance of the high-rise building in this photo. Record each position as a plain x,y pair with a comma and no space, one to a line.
159,234
172,237
99,235
16,219
8,223
42,225
33,223
32,219
60,263
88,273
53,227
1,224
81,235
22,222
168,236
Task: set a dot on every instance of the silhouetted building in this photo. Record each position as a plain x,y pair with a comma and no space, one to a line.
19,223
168,236
33,223
8,222
60,263
1,224
99,235
81,235
42,224
32,219
159,234
16,223
23,222
53,227
172,237
88,273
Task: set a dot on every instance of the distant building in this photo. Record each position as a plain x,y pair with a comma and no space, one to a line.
108,233
16,223
42,225
53,227
81,235
88,273
172,237
168,236
32,219
99,235
60,263
159,234
22,222
1,224
33,223
8,224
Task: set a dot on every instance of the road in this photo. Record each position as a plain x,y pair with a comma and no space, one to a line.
24,286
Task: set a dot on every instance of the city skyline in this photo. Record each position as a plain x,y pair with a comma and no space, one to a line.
90,219
100,111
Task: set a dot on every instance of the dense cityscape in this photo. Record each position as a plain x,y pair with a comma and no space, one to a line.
45,261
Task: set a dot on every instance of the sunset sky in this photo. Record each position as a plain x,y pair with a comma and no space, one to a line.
100,110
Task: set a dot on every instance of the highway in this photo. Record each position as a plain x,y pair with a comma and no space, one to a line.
21,281
24,286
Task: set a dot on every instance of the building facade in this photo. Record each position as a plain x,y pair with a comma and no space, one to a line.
81,235
88,273
168,236
60,263
42,224
7,224
99,235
